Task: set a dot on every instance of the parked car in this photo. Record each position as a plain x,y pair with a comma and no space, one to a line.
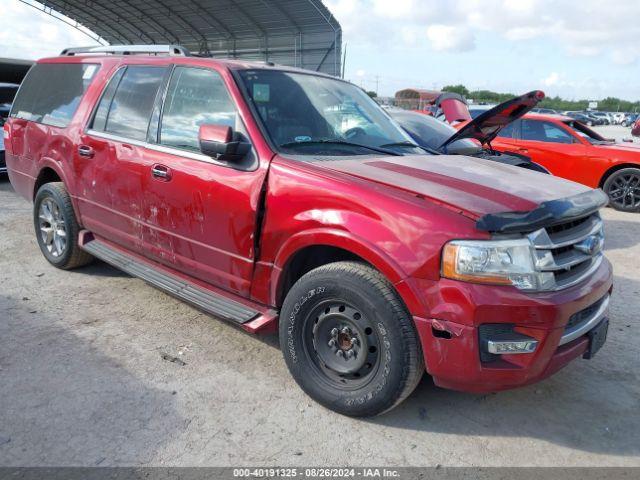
259,193
548,111
7,93
630,119
476,110
569,149
602,116
635,131
585,119
618,118
474,140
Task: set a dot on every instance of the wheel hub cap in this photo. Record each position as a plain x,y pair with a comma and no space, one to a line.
53,230
340,343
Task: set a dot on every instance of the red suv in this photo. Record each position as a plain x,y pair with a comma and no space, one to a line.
259,193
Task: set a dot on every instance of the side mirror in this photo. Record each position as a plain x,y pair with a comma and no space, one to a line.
217,141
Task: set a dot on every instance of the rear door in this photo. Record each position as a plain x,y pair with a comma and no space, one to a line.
108,161
553,146
200,214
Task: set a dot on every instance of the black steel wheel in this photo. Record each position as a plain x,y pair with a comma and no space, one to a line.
623,189
341,344
349,341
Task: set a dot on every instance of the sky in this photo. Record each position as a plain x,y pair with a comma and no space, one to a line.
586,49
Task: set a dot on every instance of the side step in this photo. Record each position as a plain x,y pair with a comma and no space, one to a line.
205,300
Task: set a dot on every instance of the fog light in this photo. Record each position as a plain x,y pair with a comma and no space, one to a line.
502,347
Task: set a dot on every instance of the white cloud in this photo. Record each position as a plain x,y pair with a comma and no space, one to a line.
26,32
448,38
551,80
587,28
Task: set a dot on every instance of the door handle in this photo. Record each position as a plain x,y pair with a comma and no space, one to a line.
161,172
523,150
85,151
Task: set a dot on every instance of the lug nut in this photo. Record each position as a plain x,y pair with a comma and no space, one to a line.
346,330
332,343
334,332
340,353
350,353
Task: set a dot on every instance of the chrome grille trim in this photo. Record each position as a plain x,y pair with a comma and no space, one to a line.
561,254
583,327
542,240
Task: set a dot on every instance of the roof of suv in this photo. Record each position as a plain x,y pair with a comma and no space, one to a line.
230,64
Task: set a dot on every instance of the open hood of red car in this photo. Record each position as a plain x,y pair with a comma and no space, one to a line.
486,126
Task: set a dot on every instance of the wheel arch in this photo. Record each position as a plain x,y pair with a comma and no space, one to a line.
614,169
312,249
45,175
50,171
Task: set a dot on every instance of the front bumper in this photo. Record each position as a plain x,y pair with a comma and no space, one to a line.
450,339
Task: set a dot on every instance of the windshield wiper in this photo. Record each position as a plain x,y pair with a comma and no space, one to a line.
340,142
412,145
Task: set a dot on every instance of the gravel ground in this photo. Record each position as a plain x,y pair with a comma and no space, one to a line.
83,382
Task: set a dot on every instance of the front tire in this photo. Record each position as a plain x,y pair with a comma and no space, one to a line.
57,228
349,341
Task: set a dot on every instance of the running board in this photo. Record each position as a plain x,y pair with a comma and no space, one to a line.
205,300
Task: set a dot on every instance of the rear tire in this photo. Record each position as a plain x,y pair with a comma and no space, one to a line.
57,228
349,341
623,189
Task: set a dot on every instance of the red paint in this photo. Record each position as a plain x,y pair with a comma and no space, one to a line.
200,222
579,161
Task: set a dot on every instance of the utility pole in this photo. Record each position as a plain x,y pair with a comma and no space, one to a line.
377,85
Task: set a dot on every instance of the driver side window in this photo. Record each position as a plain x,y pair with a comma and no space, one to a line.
544,132
195,97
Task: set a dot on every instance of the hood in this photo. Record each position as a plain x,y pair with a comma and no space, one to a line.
620,147
486,126
473,186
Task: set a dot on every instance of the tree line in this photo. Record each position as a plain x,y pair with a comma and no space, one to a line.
609,104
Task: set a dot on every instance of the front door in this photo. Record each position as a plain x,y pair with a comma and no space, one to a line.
553,147
199,214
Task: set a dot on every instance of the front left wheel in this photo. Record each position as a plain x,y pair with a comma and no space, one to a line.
349,341
57,228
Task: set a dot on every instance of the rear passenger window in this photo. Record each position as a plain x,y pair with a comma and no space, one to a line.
195,97
51,92
127,102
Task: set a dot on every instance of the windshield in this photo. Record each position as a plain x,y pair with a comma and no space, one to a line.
586,133
310,115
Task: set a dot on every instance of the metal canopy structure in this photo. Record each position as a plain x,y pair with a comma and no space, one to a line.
299,33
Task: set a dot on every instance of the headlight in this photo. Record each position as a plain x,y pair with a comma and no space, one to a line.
501,262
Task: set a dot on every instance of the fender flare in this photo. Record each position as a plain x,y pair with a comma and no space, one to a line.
48,162
345,241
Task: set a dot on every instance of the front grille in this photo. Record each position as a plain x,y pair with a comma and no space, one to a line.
563,249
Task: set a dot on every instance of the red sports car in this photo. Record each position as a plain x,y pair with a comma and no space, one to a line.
563,145
570,149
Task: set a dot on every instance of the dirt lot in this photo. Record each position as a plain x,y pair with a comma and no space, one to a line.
83,382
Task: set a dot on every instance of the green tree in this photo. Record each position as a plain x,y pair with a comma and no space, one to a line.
459,89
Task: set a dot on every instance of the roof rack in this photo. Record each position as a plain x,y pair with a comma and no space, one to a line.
174,50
